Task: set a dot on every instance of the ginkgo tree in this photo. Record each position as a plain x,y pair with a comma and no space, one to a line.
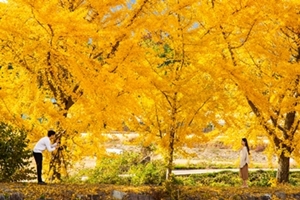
173,97
70,51
262,55
54,55
178,92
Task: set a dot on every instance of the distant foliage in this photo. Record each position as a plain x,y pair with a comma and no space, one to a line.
14,163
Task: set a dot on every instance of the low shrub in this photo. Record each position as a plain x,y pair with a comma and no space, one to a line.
153,173
262,178
124,169
14,159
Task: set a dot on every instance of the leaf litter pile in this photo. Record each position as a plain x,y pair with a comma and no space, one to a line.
33,191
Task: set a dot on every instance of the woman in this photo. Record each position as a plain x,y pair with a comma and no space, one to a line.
244,161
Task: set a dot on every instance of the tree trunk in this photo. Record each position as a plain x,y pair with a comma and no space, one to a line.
173,129
283,161
283,169
170,156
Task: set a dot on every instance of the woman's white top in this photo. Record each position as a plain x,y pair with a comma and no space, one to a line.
43,144
244,157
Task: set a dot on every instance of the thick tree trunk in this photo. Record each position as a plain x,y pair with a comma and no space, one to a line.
288,132
283,169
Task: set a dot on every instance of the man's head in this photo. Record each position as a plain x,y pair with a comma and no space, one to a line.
51,133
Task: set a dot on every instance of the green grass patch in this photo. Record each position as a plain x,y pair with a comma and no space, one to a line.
205,165
257,178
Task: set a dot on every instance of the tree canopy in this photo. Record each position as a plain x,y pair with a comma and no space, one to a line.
164,69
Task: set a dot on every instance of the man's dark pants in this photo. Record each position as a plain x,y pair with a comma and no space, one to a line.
38,157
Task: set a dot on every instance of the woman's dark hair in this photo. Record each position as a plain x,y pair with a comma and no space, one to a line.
50,133
246,144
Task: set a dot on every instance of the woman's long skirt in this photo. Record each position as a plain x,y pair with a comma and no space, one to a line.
244,172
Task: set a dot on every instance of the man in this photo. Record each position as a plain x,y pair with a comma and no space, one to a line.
43,144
